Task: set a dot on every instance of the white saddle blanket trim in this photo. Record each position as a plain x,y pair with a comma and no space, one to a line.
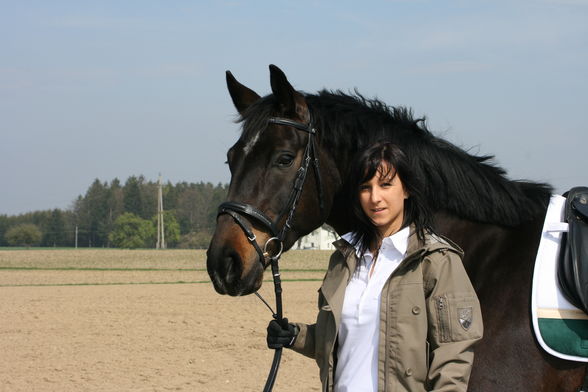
547,299
555,226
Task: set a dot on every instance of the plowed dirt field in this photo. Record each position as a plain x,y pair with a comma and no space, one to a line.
108,320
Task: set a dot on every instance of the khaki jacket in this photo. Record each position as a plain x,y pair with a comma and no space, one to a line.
430,319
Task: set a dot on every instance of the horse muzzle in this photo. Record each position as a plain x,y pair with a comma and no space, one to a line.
230,274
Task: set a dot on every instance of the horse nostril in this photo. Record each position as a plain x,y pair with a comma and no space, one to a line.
232,267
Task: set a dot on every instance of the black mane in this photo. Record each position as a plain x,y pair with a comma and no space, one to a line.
469,186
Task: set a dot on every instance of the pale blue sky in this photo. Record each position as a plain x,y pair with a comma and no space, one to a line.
109,89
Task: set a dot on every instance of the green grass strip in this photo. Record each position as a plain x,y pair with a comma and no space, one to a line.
137,283
95,269
98,284
130,269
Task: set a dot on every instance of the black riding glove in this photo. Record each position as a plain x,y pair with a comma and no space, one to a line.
281,334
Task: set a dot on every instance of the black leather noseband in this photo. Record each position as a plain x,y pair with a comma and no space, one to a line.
240,211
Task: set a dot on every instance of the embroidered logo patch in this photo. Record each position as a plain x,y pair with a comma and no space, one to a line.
465,317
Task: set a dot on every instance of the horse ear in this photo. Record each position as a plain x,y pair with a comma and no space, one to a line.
290,100
242,96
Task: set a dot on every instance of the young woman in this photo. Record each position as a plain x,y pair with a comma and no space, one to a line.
397,311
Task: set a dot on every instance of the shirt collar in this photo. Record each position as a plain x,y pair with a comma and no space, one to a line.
398,240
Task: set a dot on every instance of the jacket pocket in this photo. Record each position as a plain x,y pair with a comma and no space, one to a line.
428,355
465,317
459,317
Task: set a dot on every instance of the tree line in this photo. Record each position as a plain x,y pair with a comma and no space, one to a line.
112,214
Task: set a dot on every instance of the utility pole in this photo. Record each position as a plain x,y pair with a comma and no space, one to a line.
160,225
76,236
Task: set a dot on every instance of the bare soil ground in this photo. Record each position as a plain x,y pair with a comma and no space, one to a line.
109,325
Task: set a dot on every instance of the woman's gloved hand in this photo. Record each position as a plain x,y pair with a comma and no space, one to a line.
281,334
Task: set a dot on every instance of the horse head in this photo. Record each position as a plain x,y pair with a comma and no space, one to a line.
268,189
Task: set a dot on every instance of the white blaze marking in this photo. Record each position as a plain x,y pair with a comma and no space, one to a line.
249,146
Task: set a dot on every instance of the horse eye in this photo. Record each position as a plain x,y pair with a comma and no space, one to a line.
285,160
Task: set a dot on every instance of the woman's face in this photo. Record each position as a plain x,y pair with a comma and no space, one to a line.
382,200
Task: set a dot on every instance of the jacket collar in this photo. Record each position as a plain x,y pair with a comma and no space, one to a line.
348,252
415,248
414,244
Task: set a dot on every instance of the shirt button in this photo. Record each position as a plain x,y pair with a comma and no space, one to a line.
416,310
408,372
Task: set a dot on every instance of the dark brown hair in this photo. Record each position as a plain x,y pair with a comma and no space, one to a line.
366,165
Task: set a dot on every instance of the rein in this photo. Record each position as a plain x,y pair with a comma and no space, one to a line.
240,211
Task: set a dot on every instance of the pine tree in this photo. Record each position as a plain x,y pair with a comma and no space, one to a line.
55,230
132,201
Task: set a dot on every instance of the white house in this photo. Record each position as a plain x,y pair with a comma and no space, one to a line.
322,239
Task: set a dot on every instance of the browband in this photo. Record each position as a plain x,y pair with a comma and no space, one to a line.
291,123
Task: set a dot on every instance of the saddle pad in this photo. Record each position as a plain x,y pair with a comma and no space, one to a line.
561,328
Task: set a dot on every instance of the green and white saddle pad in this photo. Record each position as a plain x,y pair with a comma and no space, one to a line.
561,328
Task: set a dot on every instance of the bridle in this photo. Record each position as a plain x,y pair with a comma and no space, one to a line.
240,211
235,209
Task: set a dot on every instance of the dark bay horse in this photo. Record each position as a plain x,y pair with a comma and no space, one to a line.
495,220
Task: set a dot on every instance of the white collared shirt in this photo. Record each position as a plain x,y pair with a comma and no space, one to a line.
357,355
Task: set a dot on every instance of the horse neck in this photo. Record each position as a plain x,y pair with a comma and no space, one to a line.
467,186
474,188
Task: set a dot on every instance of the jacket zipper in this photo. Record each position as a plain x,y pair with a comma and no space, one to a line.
442,313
